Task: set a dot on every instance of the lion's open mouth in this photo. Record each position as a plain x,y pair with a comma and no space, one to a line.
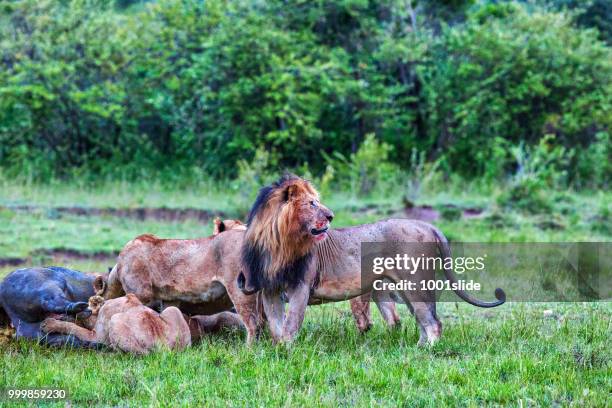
315,231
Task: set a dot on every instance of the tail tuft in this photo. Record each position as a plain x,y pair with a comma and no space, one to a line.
500,295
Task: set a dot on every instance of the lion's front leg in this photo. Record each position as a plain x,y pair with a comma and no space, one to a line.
51,325
274,307
298,300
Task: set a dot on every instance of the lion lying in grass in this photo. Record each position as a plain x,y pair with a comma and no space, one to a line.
126,324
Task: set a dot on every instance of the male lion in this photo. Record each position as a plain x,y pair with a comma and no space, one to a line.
289,250
360,305
126,324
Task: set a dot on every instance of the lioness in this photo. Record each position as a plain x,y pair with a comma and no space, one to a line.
126,324
185,273
289,249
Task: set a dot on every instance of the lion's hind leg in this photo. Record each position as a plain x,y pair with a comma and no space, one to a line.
421,303
202,325
430,328
178,335
423,306
386,306
360,307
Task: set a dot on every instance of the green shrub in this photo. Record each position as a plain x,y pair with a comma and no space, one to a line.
539,169
450,212
253,175
594,163
183,88
367,169
516,77
64,86
602,221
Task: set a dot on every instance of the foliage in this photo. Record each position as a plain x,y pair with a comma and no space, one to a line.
365,169
515,78
184,88
538,169
591,13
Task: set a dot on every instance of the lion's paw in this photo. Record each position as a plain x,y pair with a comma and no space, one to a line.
48,325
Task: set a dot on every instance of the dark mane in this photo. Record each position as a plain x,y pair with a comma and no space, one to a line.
290,276
264,194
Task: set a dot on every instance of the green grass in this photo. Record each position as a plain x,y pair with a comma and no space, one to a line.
23,234
513,355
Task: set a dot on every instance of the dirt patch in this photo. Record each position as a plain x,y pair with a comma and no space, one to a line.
74,254
141,213
12,261
472,212
422,212
60,254
428,213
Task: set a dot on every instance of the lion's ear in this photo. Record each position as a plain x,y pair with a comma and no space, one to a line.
99,285
219,226
291,192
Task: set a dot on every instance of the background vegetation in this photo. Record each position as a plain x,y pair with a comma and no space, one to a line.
356,93
489,118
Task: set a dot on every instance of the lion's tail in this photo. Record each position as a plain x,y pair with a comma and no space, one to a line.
500,295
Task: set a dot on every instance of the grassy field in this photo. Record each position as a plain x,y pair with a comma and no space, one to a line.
514,355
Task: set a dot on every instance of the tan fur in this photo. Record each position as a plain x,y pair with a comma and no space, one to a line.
188,273
126,324
226,225
337,269
182,272
204,325
360,306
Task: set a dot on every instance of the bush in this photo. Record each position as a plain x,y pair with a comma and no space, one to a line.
64,86
594,163
516,77
367,169
538,170
187,87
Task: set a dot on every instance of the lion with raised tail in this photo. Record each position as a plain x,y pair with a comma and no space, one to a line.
289,250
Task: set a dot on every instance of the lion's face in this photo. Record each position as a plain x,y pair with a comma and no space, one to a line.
95,303
312,216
